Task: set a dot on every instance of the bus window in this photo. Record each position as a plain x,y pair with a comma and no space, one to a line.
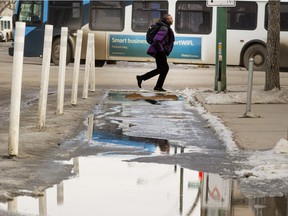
283,16
65,14
243,16
147,13
8,25
107,15
193,17
31,12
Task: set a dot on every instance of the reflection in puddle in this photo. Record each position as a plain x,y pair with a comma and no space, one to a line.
139,144
107,186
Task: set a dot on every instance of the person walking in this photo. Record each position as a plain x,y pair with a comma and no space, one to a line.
160,48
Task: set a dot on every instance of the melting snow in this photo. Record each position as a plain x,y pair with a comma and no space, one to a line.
265,165
258,96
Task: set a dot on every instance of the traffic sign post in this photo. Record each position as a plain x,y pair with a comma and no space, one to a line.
221,38
221,3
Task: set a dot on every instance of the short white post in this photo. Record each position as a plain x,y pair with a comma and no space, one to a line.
62,68
13,140
92,66
45,76
87,65
76,67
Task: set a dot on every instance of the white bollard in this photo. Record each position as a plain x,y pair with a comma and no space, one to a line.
13,140
76,68
92,66
45,76
87,65
62,68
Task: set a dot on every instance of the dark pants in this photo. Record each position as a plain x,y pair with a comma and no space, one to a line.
161,69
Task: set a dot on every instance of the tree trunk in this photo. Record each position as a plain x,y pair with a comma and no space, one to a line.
272,79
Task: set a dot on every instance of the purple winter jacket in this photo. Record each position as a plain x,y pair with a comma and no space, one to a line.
163,40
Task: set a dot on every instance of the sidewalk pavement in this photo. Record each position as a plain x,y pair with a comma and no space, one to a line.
252,133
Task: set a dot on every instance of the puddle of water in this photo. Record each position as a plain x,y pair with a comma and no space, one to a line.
110,185
107,186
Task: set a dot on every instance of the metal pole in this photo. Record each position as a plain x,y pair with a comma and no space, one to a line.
219,65
76,67
181,190
13,140
62,68
250,83
45,76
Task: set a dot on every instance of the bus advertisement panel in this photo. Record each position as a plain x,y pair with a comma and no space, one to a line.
136,46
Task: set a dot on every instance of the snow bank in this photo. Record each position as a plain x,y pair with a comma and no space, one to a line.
272,164
258,96
223,133
281,146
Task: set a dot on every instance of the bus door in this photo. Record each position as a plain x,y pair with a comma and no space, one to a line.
32,13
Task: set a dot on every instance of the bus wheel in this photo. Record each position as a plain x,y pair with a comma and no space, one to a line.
99,63
55,55
259,53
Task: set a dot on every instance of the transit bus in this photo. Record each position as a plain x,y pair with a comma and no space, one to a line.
36,14
120,28
6,28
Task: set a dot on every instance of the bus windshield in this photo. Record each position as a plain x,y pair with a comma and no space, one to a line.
30,12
